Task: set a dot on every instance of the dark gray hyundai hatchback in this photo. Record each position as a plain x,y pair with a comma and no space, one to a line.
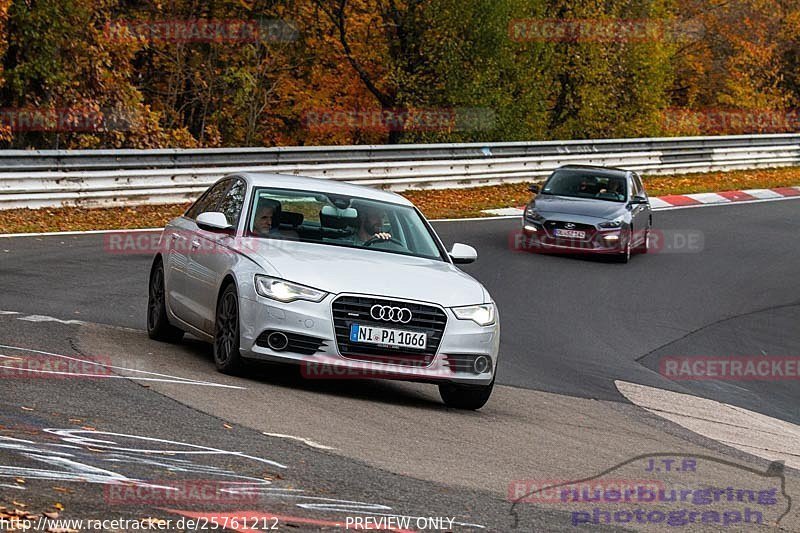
589,209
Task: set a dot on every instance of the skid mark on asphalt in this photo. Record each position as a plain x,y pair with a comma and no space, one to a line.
76,368
75,459
43,318
748,431
307,442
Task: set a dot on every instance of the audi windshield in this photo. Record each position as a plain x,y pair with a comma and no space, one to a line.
586,185
338,220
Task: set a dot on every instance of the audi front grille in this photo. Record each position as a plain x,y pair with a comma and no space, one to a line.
349,310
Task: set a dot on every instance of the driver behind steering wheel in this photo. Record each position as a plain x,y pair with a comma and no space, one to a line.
370,225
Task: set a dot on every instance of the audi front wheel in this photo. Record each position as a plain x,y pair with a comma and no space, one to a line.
468,397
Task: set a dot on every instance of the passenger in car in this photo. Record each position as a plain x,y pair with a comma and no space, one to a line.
268,219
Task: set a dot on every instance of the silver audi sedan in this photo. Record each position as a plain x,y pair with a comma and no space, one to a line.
345,281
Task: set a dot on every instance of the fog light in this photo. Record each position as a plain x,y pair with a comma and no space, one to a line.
530,228
611,237
481,364
277,341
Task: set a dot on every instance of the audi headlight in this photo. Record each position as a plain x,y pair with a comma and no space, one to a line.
533,214
611,223
483,314
286,291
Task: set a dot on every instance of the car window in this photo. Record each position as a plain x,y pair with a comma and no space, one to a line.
209,200
636,190
637,180
587,184
336,220
232,202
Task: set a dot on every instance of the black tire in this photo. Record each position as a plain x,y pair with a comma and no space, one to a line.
470,397
226,333
643,248
158,326
625,255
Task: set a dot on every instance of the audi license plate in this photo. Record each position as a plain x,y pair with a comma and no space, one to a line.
570,233
388,337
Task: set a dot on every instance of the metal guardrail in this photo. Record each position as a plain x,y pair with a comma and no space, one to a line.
49,178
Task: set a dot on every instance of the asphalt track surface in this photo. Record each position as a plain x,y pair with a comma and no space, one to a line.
571,327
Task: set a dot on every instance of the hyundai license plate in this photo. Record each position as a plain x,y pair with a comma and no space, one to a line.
570,233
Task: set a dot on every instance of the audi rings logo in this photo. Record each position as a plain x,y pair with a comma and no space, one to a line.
390,314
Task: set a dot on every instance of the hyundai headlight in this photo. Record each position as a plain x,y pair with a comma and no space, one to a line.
483,314
533,214
286,291
611,223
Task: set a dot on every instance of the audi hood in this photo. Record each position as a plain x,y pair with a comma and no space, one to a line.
351,270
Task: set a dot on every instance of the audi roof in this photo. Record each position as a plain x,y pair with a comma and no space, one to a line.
323,185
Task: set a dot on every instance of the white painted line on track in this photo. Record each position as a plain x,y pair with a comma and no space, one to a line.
159,378
748,431
307,442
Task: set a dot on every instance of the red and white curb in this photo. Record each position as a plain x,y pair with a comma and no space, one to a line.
681,201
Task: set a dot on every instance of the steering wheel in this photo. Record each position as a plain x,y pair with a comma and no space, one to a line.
373,240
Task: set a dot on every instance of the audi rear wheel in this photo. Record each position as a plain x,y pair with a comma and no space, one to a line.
158,326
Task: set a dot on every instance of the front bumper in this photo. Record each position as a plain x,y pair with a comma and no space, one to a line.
597,241
461,341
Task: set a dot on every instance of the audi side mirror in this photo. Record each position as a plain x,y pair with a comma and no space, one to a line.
462,254
213,221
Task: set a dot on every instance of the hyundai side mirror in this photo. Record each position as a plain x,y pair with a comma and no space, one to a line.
534,189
